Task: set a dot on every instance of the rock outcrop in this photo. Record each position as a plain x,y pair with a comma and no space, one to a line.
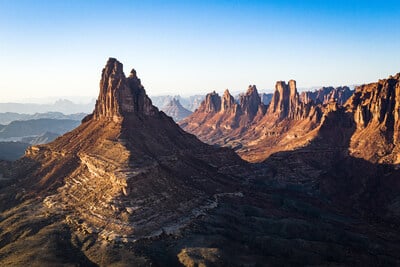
212,103
325,95
128,171
250,127
175,110
250,103
128,187
220,118
286,103
376,108
285,100
228,103
120,96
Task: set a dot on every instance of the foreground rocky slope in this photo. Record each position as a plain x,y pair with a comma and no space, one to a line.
128,187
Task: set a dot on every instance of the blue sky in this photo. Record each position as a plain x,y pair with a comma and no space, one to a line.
58,48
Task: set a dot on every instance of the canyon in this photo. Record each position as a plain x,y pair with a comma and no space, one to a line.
305,179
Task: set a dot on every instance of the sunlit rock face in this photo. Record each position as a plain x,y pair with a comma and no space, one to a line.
128,187
119,95
325,95
220,118
376,108
128,171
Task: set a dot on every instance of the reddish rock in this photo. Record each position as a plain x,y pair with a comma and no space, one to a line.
120,96
325,95
376,114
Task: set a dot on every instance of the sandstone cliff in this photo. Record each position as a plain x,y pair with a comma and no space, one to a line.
220,118
128,187
118,174
325,95
120,96
376,108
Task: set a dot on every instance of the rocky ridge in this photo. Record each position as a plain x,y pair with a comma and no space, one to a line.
128,187
325,95
218,117
376,109
99,172
250,126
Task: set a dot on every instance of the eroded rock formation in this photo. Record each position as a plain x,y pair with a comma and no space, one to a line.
376,108
128,187
325,95
121,96
128,171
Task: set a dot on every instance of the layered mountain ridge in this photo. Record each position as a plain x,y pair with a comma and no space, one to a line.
293,120
376,109
325,95
128,187
99,172
252,120
219,117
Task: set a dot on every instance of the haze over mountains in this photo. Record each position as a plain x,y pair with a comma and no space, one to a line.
129,187
62,106
23,130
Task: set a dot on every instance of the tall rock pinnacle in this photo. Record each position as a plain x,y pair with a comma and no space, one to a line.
228,102
120,96
285,100
249,102
212,103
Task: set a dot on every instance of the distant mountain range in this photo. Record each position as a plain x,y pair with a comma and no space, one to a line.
190,103
18,135
128,187
7,117
63,105
175,110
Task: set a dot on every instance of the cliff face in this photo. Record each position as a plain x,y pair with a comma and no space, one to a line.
287,124
212,103
250,102
325,95
376,114
120,96
250,125
117,174
219,118
286,103
128,187
228,103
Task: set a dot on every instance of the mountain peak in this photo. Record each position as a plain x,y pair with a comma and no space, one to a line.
120,96
227,101
212,103
285,100
249,102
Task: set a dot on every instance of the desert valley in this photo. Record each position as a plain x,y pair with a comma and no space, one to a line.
199,133
307,179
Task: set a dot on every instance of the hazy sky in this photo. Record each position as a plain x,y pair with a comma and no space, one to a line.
58,48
